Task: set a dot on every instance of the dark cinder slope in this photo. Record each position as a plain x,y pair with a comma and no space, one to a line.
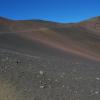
42,60
80,38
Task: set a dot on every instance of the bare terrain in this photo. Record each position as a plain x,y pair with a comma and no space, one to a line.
42,60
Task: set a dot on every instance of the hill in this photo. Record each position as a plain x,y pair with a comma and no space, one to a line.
80,38
43,60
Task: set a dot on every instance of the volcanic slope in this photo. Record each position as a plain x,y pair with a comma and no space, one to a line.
42,60
72,38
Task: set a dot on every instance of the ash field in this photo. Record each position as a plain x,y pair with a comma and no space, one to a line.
42,60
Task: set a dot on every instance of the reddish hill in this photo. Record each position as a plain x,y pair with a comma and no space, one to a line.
43,36
92,24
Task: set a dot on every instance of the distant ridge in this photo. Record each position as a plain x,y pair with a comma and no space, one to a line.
41,20
4,18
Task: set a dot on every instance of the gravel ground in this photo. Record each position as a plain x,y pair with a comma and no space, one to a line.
25,77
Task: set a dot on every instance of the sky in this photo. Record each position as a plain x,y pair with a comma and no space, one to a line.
53,10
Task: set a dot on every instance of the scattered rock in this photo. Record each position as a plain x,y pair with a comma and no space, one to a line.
96,92
97,78
41,72
42,87
62,75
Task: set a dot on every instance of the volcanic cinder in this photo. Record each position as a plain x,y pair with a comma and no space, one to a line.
43,60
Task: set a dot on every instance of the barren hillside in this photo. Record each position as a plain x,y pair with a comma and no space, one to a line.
42,60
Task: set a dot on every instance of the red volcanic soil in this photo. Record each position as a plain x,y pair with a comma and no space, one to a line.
80,39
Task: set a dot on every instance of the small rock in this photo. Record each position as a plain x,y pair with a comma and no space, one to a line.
62,75
97,78
41,72
56,80
49,79
63,86
42,87
96,92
